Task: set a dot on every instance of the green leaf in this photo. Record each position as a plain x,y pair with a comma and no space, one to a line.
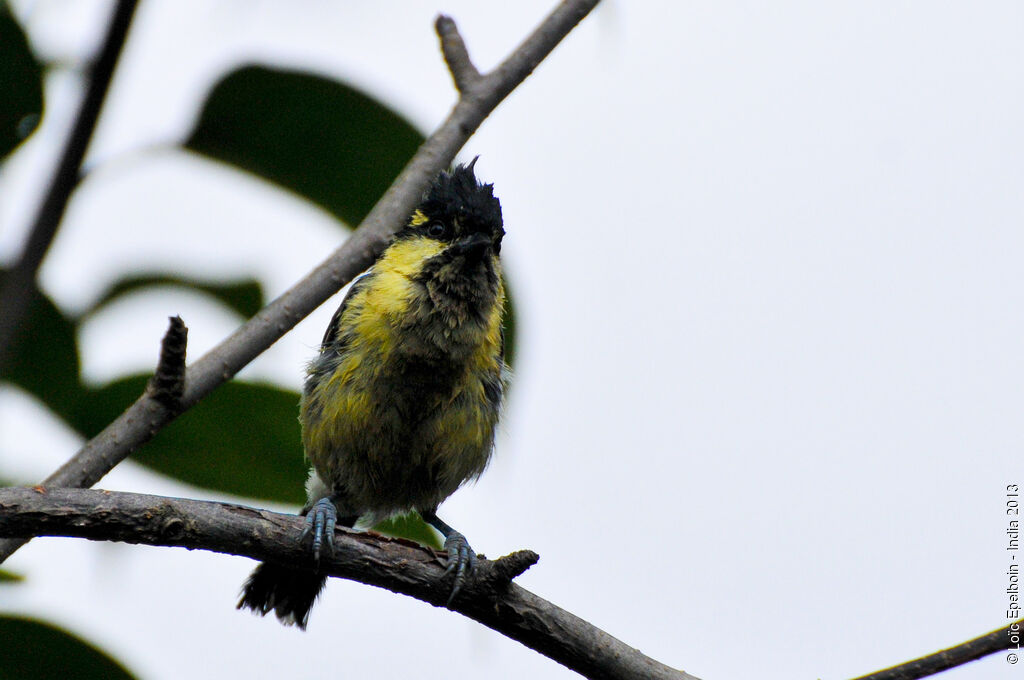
36,650
318,137
10,577
245,296
242,439
43,358
410,526
21,82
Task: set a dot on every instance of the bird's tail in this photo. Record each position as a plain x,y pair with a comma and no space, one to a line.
286,591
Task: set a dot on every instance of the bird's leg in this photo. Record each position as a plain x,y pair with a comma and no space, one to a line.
461,557
321,518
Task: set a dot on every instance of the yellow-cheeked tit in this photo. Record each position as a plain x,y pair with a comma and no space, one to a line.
400,407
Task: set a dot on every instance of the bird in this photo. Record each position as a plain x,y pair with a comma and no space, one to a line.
400,407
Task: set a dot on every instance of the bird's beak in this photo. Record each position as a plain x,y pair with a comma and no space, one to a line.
473,246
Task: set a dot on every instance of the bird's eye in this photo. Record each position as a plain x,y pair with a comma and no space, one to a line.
437,229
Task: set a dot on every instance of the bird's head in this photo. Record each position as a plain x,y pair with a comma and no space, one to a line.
459,213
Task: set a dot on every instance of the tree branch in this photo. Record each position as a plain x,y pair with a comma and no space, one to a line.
168,383
453,47
395,564
147,416
972,650
20,281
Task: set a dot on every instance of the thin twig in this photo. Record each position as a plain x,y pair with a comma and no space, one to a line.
168,383
20,281
147,416
972,650
395,564
453,47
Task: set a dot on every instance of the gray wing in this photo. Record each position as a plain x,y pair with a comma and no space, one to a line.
330,335
333,343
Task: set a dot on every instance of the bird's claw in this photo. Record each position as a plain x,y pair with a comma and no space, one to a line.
320,521
461,560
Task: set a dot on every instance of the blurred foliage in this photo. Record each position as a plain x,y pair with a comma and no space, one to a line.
242,439
320,138
10,577
35,650
21,82
44,356
244,296
410,526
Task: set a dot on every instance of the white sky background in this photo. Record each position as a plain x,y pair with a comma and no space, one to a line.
768,266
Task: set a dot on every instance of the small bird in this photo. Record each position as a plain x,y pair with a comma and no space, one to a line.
400,407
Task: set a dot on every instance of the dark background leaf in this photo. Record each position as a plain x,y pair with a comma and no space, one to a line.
318,137
10,577
410,526
44,357
243,439
245,296
35,650
21,84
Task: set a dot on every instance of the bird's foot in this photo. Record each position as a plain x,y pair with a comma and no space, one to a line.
461,560
320,521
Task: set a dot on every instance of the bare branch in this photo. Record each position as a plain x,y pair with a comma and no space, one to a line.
16,293
395,564
456,56
147,416
972,650
168,383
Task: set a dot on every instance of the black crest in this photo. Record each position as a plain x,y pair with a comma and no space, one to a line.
459,194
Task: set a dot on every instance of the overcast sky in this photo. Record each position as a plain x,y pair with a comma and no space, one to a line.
770,380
